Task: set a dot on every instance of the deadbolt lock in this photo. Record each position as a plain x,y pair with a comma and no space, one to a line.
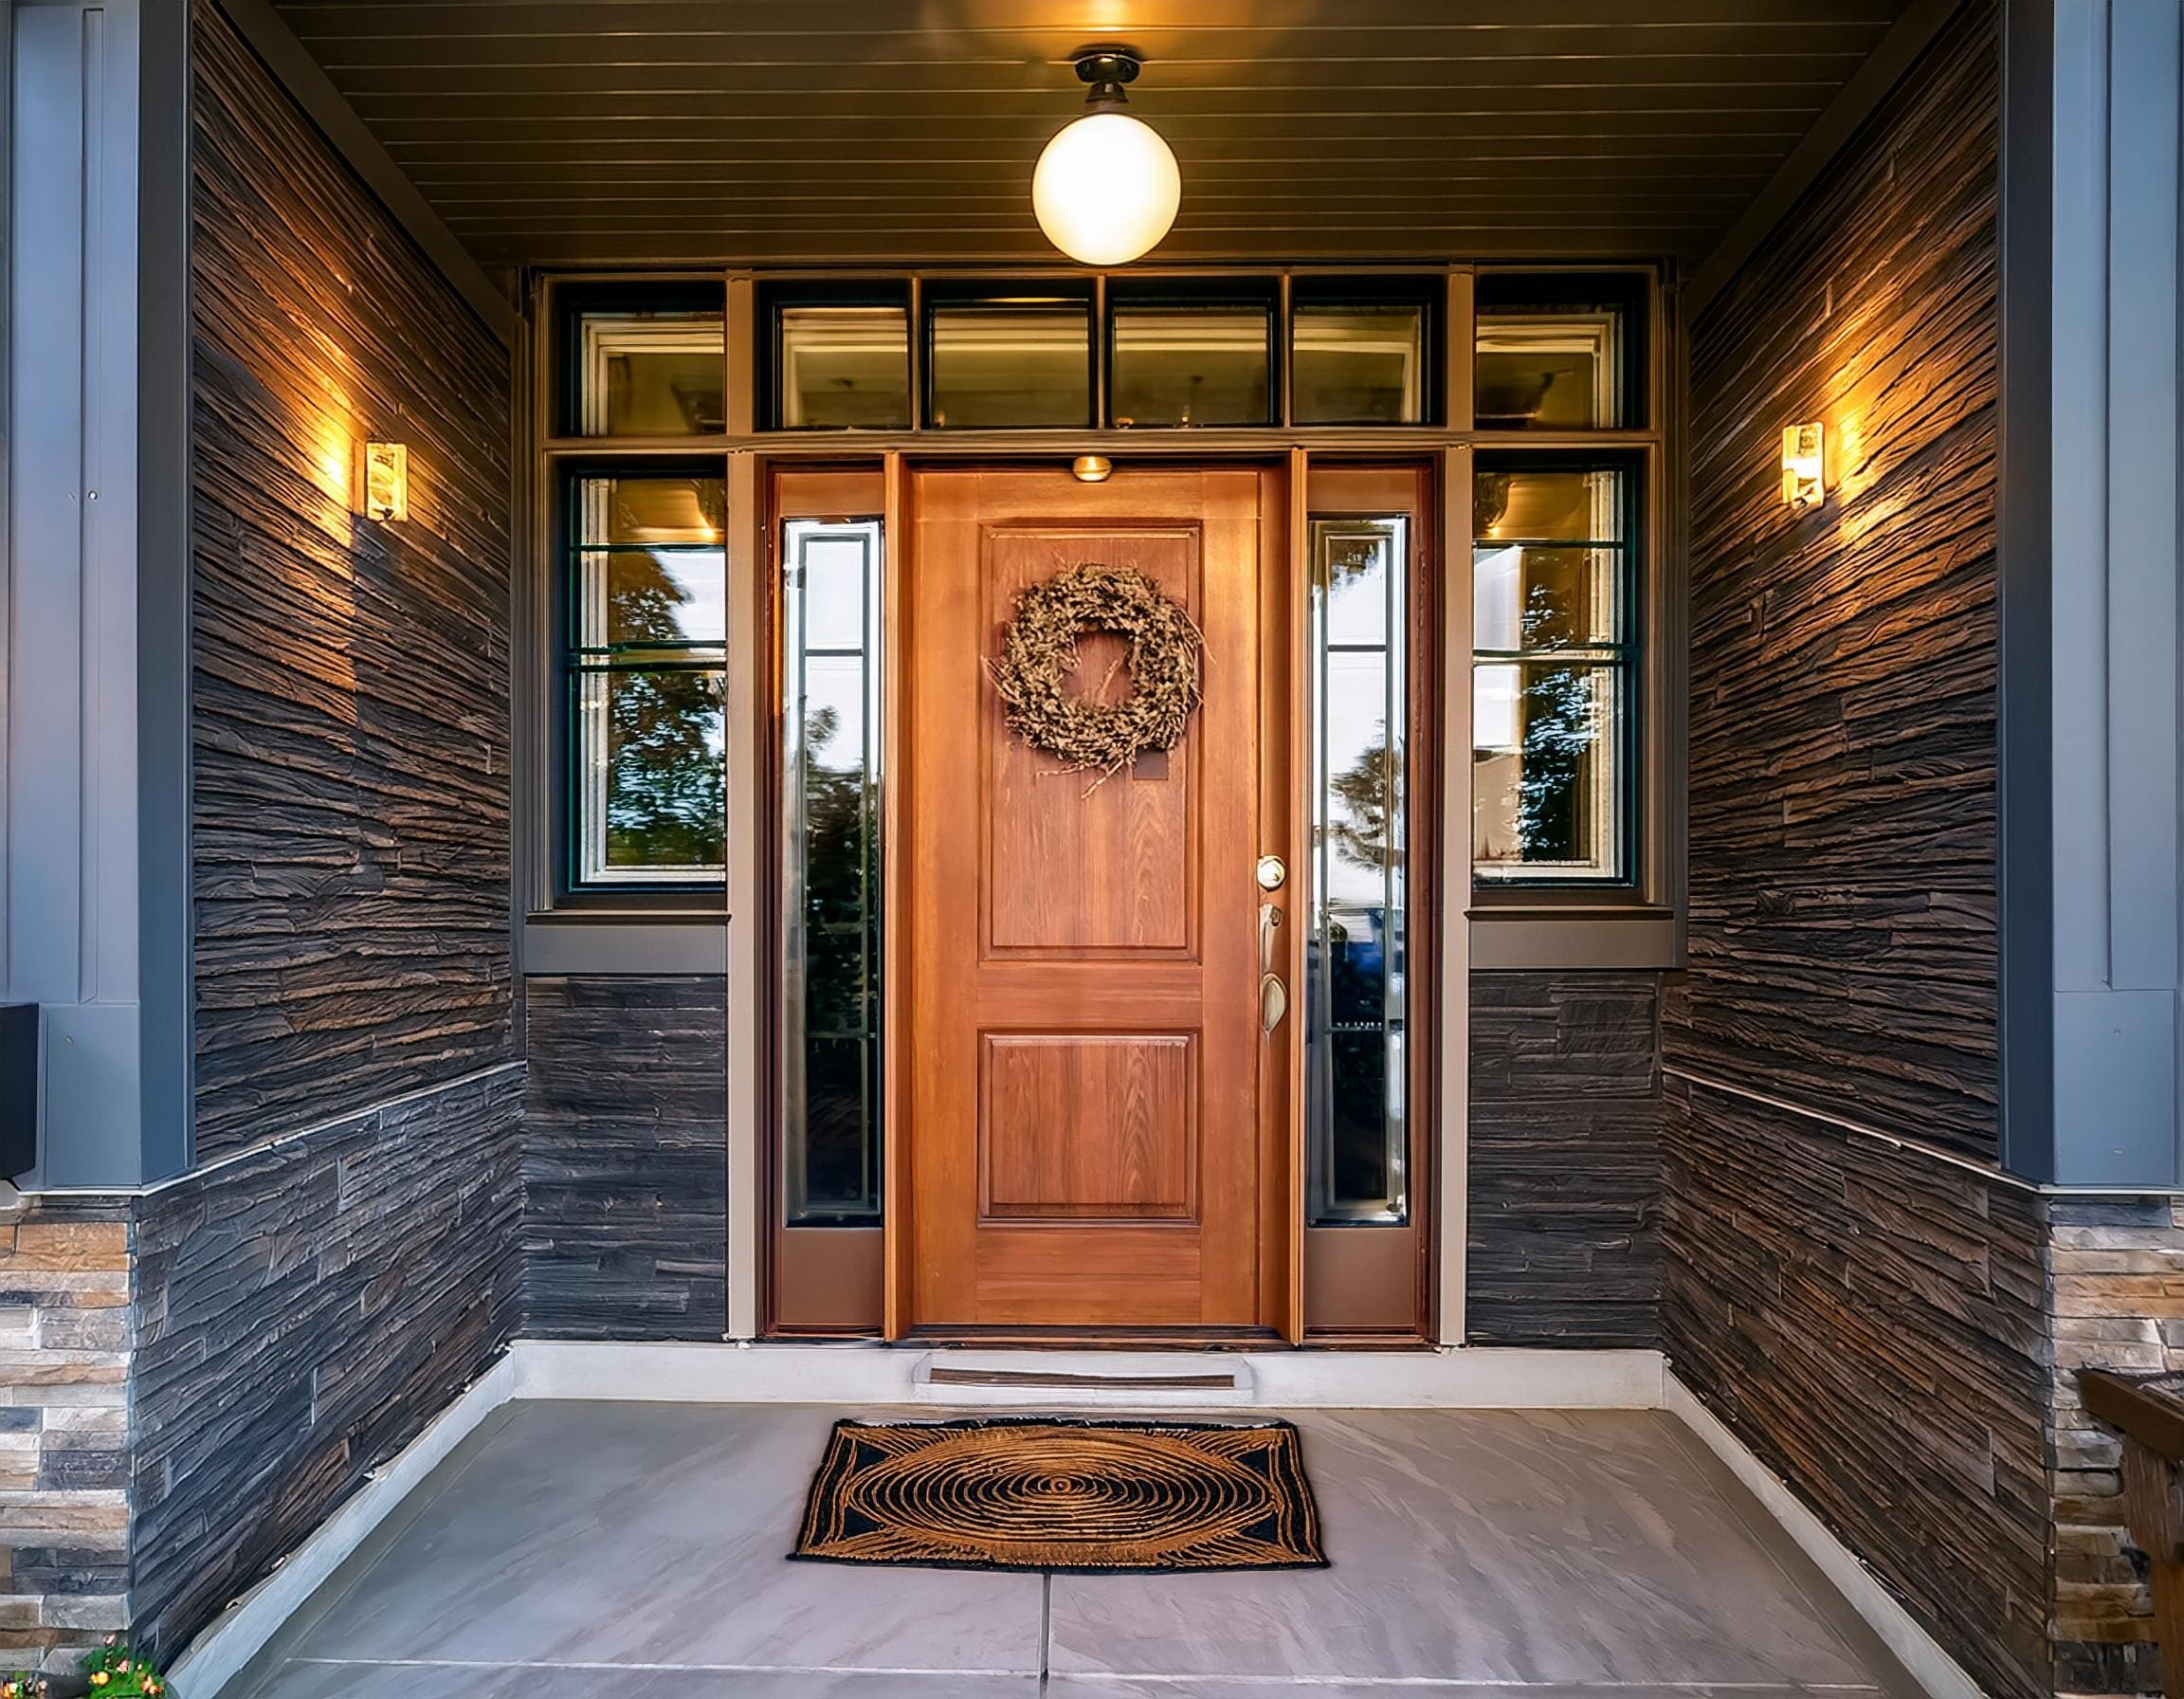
1273,873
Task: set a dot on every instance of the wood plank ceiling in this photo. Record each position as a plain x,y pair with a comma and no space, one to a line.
904,130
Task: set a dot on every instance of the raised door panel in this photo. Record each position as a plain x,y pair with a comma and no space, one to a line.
1089,1127
1116,859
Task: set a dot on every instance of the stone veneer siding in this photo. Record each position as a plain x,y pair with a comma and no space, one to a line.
303,1311
350,844
626,1157
64,1361
1564,1163
2116,1301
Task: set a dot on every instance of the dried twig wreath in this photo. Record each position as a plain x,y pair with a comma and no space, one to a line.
1039,652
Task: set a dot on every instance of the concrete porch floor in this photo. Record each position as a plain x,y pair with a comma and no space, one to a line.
574,1549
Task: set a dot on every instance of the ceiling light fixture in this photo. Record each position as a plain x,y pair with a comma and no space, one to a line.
1106,189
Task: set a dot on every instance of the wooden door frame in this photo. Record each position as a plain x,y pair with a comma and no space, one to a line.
1443,940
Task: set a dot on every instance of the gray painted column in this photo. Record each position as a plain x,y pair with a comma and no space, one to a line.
74,916
2100,782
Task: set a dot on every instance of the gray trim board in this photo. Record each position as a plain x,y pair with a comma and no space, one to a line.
311,89
1591,938
2026,865
164,446
624,947
1866,90
2100,415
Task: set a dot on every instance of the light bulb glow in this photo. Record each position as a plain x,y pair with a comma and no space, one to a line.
1106,189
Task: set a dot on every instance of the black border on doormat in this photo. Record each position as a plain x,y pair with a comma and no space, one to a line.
1300,1487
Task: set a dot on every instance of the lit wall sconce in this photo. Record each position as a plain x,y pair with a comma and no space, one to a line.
383,481
1804,467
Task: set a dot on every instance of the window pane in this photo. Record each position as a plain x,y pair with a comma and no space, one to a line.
1558,353
1549,371
1354,949
1550,611
1538,597
1545,770
1188,366
845,368
1359,365
657,598
1006,365
649,374
648,568
831,895
611,511
651,748
1535,506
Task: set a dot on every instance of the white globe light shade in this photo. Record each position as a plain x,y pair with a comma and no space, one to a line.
1106,189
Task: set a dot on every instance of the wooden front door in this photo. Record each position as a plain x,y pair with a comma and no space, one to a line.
1094,1126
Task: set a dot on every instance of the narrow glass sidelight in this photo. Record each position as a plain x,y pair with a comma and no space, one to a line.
830,983
1355,960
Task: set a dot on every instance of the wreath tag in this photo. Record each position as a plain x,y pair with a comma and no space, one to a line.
1039,652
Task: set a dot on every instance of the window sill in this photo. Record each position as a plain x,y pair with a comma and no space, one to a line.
1629,936
625,942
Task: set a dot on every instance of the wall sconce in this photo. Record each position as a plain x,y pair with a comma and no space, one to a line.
1804,467
383,481
1092,468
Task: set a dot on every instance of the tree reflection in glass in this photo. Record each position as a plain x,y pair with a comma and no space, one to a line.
666,805
831,945
1353,992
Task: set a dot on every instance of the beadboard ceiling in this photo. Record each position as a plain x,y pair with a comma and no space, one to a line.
902,131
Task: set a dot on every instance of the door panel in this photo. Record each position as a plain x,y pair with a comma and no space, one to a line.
1094,1127
1125,850
1081,1039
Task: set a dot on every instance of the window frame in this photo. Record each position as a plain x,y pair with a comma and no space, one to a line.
1631,662
574,877
769,367
1184,295
790,837
1514,924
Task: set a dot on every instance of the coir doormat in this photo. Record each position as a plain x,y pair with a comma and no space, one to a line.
1092,1497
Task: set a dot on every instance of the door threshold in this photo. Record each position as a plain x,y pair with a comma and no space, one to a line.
940,1337
984,1378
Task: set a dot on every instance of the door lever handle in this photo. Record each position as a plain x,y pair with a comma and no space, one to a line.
1273,994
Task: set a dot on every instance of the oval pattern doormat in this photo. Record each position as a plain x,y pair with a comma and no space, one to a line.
1084,1496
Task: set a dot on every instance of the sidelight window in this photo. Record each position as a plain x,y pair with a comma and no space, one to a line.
1355,949
1554,669
645,646
829,711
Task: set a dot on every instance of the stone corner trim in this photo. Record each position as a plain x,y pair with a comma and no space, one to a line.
65,1337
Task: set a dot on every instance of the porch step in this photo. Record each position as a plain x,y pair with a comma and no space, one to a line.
1059,1379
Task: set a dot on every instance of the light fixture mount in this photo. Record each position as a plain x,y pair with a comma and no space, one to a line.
1107,71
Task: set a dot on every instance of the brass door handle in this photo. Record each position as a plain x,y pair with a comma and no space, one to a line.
1273,994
